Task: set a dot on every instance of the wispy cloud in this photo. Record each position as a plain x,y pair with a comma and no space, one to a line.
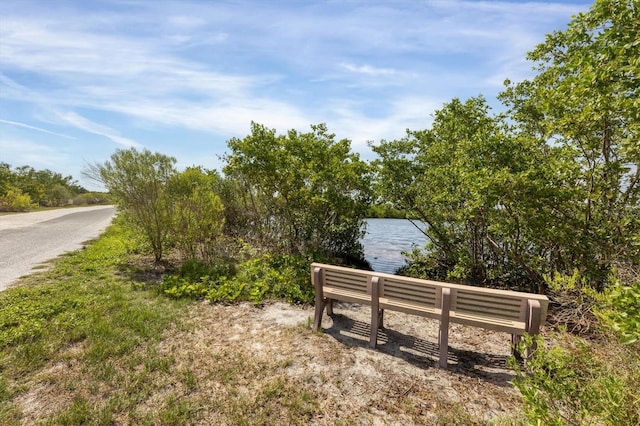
82,123
38,129
133,71
369,70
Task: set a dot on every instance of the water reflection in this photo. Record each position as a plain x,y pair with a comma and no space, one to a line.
385,241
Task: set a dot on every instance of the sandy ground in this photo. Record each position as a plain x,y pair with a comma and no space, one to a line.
396,384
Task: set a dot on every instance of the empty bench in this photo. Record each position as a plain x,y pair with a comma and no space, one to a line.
512,312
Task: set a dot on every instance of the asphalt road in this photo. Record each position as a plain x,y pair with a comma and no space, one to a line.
29,239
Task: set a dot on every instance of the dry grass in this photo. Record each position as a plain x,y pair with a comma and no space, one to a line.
89,342
246,365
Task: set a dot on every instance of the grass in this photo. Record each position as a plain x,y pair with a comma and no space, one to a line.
90,341
81,344
83,316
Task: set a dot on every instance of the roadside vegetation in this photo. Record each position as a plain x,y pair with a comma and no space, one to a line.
25,188
544,197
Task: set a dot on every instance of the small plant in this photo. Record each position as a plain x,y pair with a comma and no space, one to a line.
575,382
620,311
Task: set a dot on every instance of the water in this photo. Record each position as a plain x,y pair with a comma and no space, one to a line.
385,241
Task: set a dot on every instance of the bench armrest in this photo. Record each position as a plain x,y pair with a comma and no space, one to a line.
533,316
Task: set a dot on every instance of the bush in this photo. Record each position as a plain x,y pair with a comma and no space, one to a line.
283,277
580,383
15,201
195,280
619,310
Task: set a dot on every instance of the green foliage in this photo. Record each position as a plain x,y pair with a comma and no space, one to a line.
198,214
619,309
93,198
585,99
80,300
300,192
24,188
579,383
552,186
196,280
477,187
385,210
281,277
138,181
15,201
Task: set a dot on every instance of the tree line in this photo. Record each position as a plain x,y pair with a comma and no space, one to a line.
548,186
24,188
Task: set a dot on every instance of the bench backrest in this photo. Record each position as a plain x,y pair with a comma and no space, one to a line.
346,279
464,300
410,290
499,304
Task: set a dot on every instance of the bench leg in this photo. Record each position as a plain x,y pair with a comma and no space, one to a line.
375,311
515,341
381,319
443,345
330,307
443,333
317,319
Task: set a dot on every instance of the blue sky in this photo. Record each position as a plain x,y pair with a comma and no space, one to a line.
80,79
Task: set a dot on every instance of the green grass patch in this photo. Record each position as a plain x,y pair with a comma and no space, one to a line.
86,316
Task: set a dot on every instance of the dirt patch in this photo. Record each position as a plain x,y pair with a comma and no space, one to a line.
397,383
240,364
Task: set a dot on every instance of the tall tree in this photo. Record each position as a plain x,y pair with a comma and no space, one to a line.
476,186
585,100
307,192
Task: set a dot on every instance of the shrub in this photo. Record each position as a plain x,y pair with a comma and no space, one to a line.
580,383
283,277
619,310
15,201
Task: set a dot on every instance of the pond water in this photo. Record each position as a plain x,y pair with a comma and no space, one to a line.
385,241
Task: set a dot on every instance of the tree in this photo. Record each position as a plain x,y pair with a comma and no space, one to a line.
585,102
198,213
305,192
41,187
477,187
138,181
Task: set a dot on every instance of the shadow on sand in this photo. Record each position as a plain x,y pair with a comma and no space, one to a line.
420,352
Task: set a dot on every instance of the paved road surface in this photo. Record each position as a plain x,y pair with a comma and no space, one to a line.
29,239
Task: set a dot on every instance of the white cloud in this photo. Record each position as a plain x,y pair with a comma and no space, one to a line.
38,129
82,123
368,69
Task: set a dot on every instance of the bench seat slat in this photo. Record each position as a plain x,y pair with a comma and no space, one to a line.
491,323
410,308
347,296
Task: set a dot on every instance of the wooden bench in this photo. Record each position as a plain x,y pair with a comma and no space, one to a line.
512,312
